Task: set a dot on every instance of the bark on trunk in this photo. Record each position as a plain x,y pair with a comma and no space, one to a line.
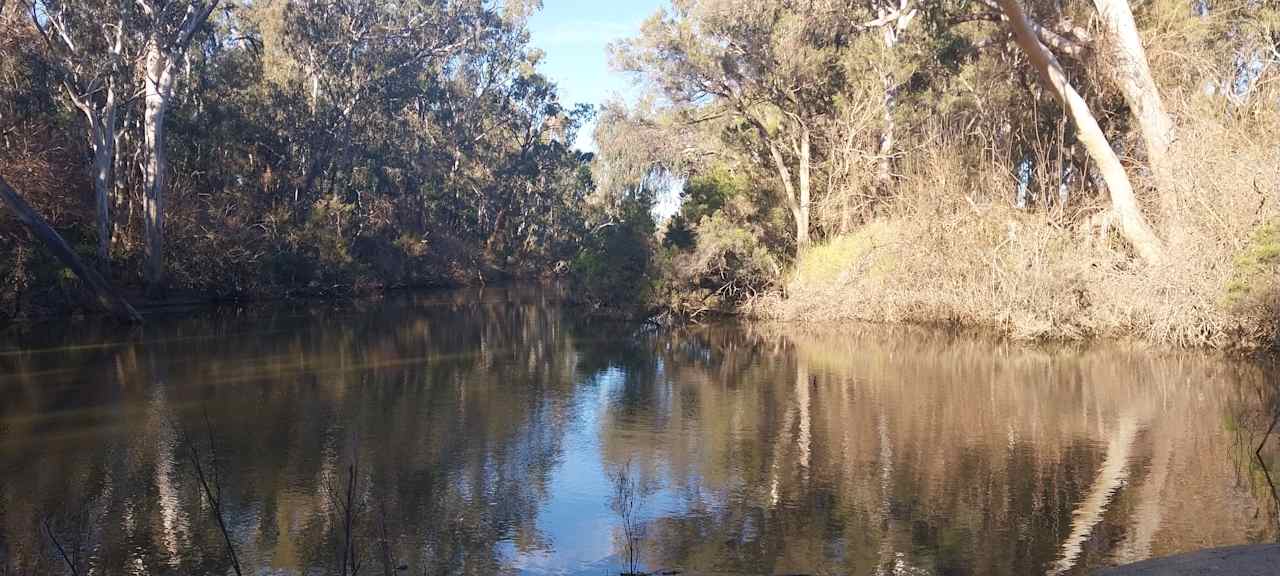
103,134
893,18
1132,75
806,187
159,92
1124,202
101,290
798,211
103,158
884,169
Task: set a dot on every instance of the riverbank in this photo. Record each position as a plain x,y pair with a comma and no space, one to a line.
1022,277
938,255
70,303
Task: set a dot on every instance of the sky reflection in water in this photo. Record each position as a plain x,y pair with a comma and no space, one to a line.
485,427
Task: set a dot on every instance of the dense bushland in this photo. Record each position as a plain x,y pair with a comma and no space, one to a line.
303,147
909,161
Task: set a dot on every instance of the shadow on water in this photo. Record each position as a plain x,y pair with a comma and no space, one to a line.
492,433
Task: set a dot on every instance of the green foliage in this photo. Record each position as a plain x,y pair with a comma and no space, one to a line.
703,195
612,271
1256,265
314,146
729,262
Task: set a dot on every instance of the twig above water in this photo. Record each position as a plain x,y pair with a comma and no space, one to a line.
213,493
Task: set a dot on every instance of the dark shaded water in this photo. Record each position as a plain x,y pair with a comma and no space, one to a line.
484,429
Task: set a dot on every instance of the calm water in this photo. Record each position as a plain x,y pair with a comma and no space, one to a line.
484,432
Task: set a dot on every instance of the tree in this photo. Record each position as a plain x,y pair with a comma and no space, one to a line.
87,39
1132,75
101,290
1124,202
771,67
168,29
892,21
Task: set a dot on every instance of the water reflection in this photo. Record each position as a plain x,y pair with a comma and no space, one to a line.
485,427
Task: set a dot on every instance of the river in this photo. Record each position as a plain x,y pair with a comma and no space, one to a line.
487,432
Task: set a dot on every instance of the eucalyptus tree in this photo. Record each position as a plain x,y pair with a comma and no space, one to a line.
1124,203
1132,75
87,40
893,21
167,29
363,58
770,65
635,154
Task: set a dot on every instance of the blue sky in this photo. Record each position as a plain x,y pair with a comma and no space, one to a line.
575,35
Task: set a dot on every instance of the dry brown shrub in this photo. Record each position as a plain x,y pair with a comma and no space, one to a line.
950,248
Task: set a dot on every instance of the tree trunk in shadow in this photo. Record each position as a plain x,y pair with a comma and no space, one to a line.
103,293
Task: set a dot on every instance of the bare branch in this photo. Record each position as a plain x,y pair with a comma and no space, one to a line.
192,21
213,494
1064,37
62,552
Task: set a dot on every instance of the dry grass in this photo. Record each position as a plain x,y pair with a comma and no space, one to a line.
952,250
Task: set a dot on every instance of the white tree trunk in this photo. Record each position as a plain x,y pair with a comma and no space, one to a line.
893,17
1133,77
103,161
1124,202
159,92
884,170
799,210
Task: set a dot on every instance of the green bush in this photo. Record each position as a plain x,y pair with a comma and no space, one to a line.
612,271
1256,265
729,264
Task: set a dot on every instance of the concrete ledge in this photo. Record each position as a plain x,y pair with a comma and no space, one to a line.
1251,560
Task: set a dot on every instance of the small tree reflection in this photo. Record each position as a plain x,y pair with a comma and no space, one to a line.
1262,463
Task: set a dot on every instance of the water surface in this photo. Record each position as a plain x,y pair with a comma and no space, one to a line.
482,433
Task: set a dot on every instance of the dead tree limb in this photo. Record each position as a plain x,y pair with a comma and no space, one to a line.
213,493
62,552
103,293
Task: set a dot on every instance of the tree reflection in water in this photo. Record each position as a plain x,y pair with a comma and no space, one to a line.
485,425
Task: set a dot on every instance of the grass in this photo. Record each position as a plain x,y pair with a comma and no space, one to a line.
841,259
1255,266
952,250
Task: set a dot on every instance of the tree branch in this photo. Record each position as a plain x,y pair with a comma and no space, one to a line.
191,22
62,552
1064,37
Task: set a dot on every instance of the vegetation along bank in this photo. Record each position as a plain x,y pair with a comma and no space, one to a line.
1045,169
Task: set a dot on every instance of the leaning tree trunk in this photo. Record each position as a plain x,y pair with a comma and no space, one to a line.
159,92
1124,202
101,290
1132,75
799,209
